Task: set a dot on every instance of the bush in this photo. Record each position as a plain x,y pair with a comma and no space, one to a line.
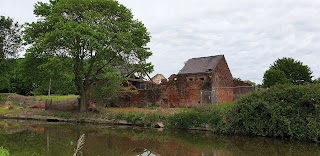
4,152
284,111
198,117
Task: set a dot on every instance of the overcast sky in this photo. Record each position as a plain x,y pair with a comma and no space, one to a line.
251,34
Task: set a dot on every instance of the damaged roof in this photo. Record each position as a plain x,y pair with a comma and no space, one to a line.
201,64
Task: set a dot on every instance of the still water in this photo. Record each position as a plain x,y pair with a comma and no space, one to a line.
23,138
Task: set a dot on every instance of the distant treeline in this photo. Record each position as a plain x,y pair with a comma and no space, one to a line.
34,75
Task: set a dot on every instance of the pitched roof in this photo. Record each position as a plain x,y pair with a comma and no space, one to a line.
201,64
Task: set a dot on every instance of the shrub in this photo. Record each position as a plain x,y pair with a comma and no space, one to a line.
284,111
199,117
4,152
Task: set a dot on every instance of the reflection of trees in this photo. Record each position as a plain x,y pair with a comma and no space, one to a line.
11,128
61,140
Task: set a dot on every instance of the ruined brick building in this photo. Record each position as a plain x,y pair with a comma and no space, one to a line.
201,80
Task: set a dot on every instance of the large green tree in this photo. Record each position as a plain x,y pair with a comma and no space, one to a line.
98,35
48,73
287,70
10,38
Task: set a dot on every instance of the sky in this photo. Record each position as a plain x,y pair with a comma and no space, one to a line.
251,34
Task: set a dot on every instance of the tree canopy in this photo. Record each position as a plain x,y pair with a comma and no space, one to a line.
99,36
287,70
10,37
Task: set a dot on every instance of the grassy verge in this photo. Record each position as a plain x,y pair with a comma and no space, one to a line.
281,111
55,98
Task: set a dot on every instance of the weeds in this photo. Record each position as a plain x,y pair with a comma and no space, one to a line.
80,144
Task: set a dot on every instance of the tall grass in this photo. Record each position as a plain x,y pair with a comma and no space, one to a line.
201,116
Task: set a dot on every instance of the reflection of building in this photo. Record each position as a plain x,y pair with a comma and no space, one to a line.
201,80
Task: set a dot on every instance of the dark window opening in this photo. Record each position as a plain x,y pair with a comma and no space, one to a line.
190,79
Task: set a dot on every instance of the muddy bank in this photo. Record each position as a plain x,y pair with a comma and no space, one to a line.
76,120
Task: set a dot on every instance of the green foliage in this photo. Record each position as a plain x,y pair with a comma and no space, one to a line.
286,70
273,77
249,82
96,35
201,116
108,88
40,70
10,38
4,152
12,78
284,111
32,74
317,81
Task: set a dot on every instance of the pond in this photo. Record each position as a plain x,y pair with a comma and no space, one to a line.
26,138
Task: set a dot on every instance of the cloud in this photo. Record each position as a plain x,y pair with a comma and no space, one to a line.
251,34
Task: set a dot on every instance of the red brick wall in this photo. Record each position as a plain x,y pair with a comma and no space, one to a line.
241,88
185,90
222,77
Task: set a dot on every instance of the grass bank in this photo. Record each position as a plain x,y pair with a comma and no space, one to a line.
291,112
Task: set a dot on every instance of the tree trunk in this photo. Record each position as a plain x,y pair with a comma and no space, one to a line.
83,103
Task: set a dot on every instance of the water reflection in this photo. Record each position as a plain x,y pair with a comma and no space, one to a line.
147,153
34,138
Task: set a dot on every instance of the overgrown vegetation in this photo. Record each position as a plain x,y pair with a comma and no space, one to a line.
201,116
4,152
283,111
